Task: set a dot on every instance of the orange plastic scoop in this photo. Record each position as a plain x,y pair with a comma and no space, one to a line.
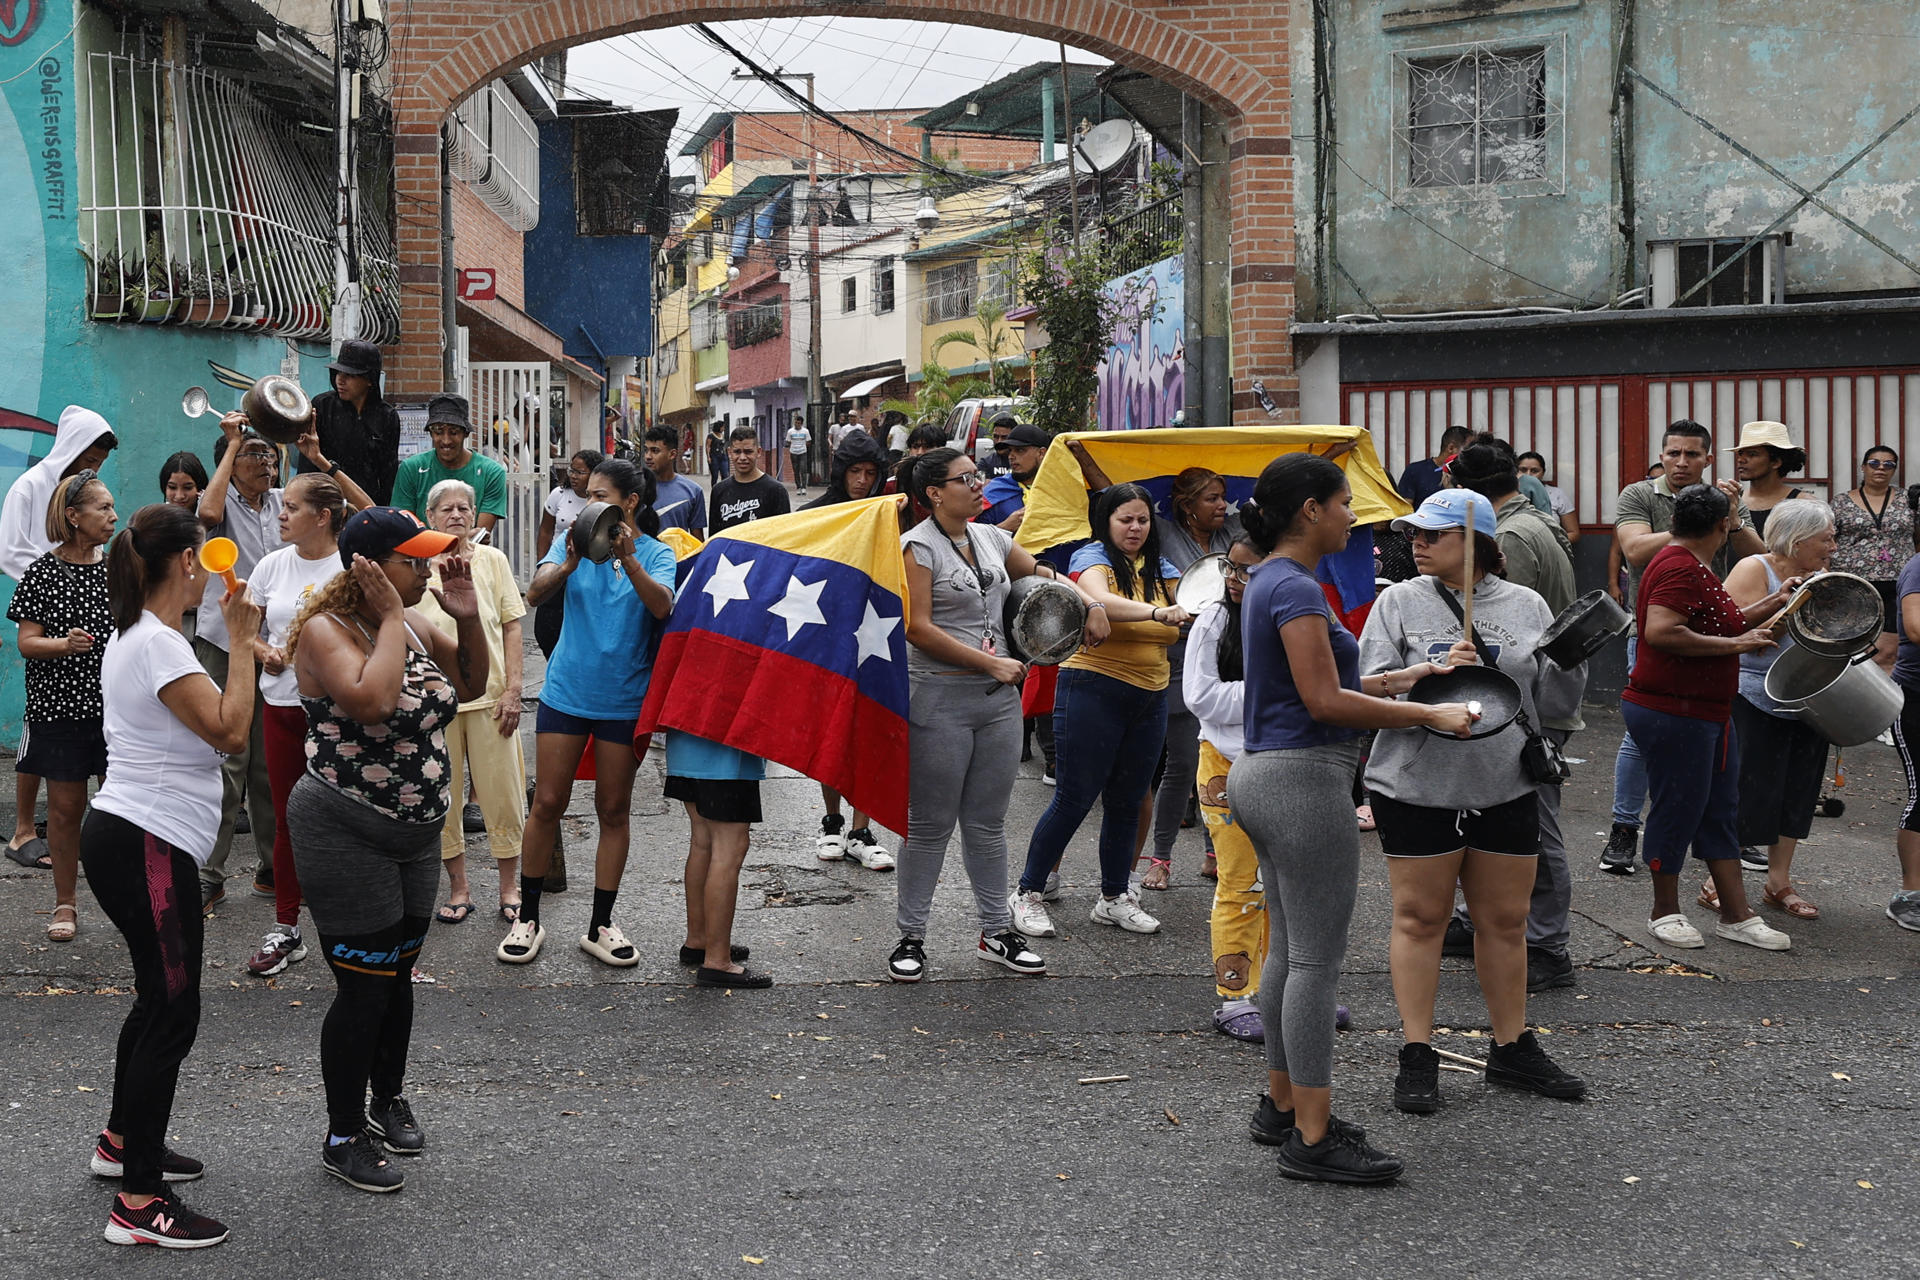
219,555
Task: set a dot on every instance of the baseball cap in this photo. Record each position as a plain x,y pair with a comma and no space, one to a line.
379,532
1030,436
357,357
1449,509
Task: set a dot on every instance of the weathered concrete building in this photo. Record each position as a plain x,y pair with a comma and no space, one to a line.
1574,221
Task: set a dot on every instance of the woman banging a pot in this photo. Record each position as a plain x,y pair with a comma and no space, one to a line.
1460,812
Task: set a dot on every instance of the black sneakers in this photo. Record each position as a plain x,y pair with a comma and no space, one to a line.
1340,1156
908,963
358,1163
1010,950
1623,843
1752,859
1525,1065
1270,1125
164,1221
109,1159
1548,969
1416,1090
1459,940
392,1122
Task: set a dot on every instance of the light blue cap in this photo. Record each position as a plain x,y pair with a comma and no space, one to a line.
1448,509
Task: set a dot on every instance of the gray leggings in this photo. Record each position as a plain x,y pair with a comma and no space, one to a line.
1297,809
1176,783
963,740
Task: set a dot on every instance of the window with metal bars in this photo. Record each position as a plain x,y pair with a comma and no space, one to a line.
706,325
881,291
1477,117
849,295
951,291
759,322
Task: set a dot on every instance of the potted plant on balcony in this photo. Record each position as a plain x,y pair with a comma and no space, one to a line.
106,286
208,301
153,297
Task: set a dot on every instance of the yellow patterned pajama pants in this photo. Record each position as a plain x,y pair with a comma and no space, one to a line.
1239,923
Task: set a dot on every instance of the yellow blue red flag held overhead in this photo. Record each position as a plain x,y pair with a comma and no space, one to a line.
788,641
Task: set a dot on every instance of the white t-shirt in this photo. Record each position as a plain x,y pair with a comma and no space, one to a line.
798,438
897,438
283,582
836,433
563,504
161,776
1558,497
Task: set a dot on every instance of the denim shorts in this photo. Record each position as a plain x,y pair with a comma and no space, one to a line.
552,719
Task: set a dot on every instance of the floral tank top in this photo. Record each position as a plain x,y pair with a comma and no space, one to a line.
398,768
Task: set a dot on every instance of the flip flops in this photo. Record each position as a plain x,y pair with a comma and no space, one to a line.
33,855
454,913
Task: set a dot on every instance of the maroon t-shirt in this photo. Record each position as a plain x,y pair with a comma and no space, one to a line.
1700,688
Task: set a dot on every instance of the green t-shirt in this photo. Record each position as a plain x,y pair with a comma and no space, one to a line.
422,471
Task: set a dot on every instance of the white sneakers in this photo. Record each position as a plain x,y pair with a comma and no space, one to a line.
865,850
1030,916
830,846
1124,913
1678,931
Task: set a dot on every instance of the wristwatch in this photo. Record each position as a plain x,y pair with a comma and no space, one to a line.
333,468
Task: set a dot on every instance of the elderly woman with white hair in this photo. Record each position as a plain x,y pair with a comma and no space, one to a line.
1782,760
483,742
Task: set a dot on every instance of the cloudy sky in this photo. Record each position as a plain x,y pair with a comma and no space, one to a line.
860,63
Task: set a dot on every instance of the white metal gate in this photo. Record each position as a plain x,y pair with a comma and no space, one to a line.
510,419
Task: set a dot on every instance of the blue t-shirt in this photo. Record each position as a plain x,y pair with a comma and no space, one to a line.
1276,719
1420,481
1906,663
1088,554
600,667
681,504
1003,496
692,757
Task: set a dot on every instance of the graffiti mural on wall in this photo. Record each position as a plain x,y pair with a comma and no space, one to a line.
1143,378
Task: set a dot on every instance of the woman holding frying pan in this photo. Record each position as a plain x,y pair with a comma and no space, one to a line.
1461,812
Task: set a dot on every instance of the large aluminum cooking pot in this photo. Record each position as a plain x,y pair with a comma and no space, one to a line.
1840,615
277,408
1847,702
1045,620
1582,628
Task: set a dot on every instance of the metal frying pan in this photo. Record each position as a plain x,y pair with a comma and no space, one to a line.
1203,583
592,530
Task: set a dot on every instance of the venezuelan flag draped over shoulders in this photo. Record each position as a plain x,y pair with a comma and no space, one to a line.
788,641
1057,504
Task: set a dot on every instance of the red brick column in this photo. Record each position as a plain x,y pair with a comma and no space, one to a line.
1233,54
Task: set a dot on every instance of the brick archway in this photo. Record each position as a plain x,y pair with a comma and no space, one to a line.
1231,54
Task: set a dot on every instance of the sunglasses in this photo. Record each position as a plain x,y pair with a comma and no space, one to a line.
1427,537
1882,464
419,564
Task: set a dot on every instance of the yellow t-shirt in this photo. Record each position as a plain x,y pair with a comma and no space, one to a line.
500,603
1135,652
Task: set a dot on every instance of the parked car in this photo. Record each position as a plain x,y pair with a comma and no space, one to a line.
967,428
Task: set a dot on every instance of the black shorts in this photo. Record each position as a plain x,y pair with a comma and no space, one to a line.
63,750
718,799
1415,831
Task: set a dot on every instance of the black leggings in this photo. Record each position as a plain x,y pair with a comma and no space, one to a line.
151,892
363,1042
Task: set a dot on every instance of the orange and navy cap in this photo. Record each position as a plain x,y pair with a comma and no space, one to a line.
379,532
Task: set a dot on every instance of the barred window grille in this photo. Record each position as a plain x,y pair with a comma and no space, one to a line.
881,291
706,325
951,291
666,361
751,325
200,205
494,147
1477,116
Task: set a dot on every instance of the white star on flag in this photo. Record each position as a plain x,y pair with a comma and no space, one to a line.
728,583
800,606
873,636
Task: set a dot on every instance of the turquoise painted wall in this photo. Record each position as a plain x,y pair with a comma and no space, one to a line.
51,355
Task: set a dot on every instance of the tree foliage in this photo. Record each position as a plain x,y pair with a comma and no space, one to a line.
1068,288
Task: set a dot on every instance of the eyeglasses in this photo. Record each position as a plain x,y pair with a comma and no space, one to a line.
258,455
419,564
1427,537
1238,572
1882,464
971,479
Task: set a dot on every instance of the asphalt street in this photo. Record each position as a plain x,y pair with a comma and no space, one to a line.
1751,1113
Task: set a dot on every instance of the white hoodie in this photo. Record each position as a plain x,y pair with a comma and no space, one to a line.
23,518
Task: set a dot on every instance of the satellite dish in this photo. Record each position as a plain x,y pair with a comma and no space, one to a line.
1105,145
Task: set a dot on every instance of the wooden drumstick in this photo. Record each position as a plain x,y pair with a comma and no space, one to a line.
1466,606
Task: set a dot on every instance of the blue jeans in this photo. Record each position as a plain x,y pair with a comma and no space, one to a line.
1107,736
1695,769
1629,772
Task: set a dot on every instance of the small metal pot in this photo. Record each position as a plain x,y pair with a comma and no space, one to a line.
1845,702
1582,629
1840,616
1045,621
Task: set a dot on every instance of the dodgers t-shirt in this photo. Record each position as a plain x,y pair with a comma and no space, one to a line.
1280,591
600,668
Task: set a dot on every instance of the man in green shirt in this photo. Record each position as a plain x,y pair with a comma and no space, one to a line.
451,459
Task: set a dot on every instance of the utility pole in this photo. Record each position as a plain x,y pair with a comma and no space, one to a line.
816,387
348,16
1073,145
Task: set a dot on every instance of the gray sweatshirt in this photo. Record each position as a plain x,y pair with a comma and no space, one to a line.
1410,623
